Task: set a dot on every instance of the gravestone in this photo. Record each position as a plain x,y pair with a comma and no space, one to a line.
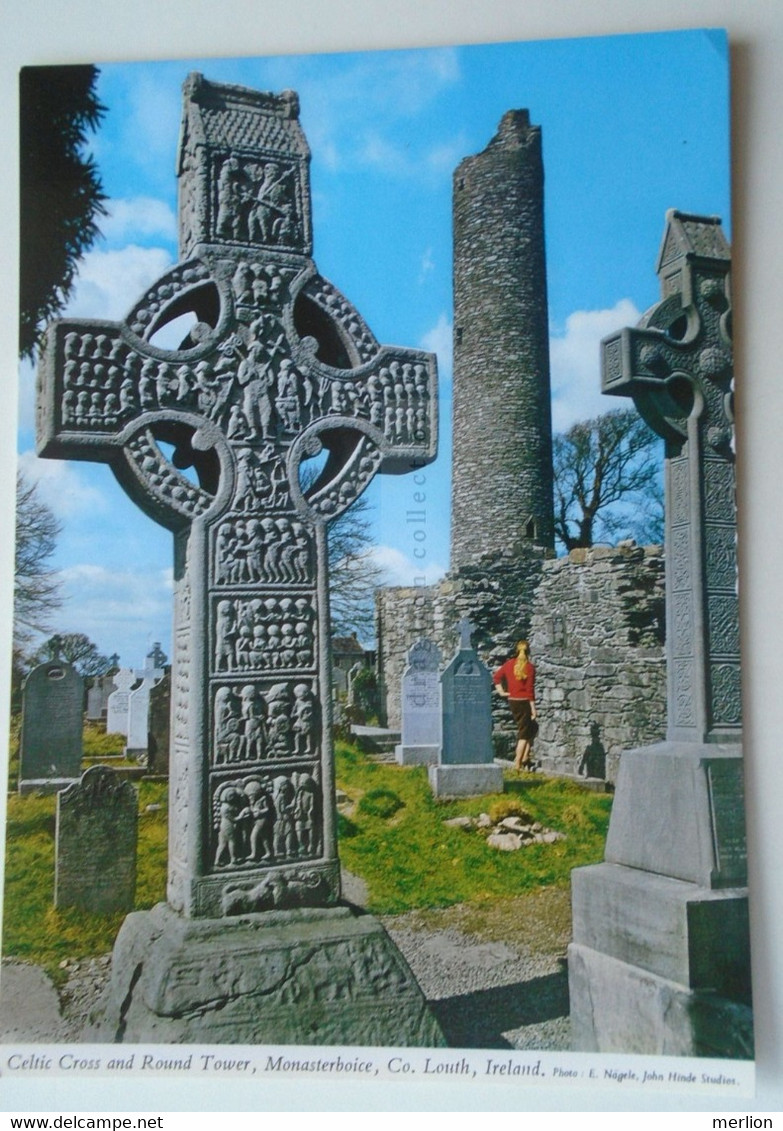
276,368
96,837
660,961
95,700
159,726
50,744
466,767
138,719
118,703
421,707
139,706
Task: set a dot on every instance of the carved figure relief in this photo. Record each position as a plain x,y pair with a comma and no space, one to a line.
266,819
254,724
257,634
267,550
258,202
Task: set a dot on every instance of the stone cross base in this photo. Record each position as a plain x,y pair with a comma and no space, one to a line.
660,959
616,1007
310,976
466,780
416,755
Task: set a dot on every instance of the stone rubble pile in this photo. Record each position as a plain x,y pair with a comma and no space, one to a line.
508,835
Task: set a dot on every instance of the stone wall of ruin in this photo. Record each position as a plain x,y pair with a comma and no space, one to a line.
595,621
597,639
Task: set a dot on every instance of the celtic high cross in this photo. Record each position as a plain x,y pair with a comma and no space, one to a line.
677,365
277,367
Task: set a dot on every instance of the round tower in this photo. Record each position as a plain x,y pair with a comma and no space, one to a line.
502,426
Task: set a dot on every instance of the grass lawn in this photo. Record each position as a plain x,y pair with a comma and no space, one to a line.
411,859
391,833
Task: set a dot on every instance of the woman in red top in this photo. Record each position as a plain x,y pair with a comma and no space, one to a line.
516,681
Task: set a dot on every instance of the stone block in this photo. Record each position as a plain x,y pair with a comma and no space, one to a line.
694,936
466,780
679,811
416,755
313,976
616,1007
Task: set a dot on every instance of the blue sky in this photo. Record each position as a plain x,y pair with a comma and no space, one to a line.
631,126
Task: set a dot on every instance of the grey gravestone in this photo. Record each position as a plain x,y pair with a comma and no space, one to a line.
50,745
466,766
159,726
95,701
665,918
421,706
119,701
96,837
277,367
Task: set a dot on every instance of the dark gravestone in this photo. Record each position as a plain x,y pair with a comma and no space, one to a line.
160,726
96,837
276,368
50,746
466,766
675,856
420,698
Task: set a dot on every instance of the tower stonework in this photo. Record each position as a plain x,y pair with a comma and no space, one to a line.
502,429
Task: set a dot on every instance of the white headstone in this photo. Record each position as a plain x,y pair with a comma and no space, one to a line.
421,707
117,706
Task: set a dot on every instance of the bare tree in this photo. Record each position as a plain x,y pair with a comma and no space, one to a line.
354,575
608,481
75,648
36,584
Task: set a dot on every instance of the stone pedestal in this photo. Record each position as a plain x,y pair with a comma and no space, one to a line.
660,958
312,976
466,780
406,755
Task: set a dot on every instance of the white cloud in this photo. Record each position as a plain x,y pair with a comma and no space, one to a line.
138,217
440,340
110,282
576,363
61,486
122,611
399,569
427,265
387,89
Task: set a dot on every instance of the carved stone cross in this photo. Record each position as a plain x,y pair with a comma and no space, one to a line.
275,367
466,629
677,365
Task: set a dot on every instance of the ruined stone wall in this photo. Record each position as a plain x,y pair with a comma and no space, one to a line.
502,451
595,621
597,640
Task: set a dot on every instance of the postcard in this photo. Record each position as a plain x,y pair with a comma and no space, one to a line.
376,695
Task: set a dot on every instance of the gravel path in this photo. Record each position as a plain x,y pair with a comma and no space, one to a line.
494,976
494,979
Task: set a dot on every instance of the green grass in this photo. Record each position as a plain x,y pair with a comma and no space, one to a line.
33,930
392,835
96,743
413,860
